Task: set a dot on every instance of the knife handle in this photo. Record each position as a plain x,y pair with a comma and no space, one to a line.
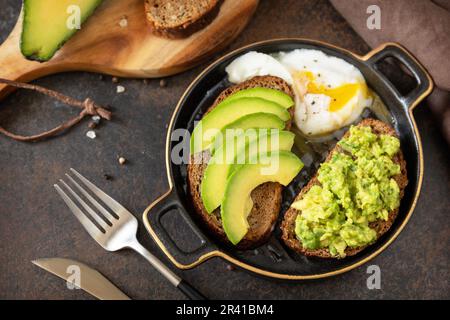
189,291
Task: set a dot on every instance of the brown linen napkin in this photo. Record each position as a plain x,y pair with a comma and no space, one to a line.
423,27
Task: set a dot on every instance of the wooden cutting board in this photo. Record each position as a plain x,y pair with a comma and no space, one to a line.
102,45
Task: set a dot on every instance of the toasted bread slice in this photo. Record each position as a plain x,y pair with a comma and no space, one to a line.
180,18
266,197
380,226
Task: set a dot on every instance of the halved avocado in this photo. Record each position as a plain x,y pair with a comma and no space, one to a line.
227,112
244,180
273,95
219,167
255,121
45,26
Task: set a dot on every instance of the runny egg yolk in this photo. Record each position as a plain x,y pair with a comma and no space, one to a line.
340,95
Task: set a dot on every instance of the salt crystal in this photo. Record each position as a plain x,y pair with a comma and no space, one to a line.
91,134
123,23
120,89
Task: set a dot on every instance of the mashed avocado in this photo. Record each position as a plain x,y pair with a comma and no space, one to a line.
356,188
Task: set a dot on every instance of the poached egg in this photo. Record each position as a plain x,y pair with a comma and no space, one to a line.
330,93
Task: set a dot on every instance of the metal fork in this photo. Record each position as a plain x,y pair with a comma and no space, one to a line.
117,232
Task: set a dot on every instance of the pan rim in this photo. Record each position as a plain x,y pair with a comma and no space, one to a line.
246,266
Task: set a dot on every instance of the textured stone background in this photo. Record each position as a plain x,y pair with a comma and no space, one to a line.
34,222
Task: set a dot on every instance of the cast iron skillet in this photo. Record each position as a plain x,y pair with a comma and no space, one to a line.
273,259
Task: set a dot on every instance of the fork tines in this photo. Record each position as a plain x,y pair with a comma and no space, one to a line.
95,217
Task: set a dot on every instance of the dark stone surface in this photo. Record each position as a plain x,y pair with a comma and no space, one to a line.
35,223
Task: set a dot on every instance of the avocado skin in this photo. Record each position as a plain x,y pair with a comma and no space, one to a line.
27,8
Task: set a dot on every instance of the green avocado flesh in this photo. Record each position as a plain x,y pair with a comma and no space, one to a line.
227,112
47,25
356,188
255,121
273,95
237,153
279,166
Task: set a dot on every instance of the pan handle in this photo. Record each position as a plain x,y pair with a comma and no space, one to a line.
421,76
183,259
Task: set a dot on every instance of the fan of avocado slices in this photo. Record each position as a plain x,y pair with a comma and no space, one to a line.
229,112
48,24
249,146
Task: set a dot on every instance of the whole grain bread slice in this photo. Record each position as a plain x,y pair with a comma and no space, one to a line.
380,226
180,18
266,197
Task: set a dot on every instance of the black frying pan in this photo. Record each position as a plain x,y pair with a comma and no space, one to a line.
273,259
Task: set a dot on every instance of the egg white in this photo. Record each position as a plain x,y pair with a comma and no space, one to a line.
254,64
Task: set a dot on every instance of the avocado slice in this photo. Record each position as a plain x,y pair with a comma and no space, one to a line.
227,112
45,26
254,148
244,180
224,160
258,120
273,95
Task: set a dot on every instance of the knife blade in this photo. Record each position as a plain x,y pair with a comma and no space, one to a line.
90,280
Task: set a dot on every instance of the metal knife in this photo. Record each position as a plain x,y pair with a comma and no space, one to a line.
90,280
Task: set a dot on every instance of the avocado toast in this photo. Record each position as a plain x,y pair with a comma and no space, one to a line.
266,197
379,226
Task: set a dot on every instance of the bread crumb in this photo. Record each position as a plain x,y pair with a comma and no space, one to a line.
122,160
120,89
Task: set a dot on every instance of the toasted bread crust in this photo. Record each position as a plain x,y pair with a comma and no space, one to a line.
182,27
266,197
380,226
